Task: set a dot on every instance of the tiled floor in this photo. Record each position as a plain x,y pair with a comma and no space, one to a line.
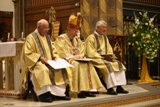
134,91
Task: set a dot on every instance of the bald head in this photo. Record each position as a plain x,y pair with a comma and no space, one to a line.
42,22
43,26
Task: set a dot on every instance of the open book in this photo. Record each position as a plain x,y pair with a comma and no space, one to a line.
58,64
106,54
112,55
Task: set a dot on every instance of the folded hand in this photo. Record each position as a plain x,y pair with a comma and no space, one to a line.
108,58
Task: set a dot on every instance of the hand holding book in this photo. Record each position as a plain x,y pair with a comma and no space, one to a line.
109,57
81,58
58,64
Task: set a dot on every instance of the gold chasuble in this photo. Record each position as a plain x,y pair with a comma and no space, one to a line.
84,76
95,49
41,74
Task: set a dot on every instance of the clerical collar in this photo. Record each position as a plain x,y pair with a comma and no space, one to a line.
36,30
95,32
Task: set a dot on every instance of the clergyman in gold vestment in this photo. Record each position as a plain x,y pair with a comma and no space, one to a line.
99,48
37,50
70,47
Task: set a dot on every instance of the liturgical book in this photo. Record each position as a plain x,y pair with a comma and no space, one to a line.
84,59
58,64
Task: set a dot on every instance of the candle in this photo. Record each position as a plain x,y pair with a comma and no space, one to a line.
8,36
22,35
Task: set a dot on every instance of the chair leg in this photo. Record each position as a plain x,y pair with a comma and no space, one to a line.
30,88
25,94
101,78
67,91
34,95
103,83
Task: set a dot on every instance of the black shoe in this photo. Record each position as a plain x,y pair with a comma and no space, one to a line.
46,97
88,94
63,98
96,92
53,97
81,95
111,91
122,91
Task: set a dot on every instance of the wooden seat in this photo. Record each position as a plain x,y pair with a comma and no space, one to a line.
30,88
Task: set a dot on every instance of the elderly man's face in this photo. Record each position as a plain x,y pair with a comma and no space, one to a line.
72,32
102,29
44,29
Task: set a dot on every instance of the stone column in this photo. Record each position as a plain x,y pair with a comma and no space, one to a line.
90,13
119,17
108,10
103,10
18,17
114,17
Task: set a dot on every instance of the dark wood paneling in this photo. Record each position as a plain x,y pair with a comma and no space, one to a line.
43,2
129,6
5,23
121,40
63,10
154,2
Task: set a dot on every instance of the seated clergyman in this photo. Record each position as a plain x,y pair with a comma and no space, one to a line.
48,84
70,47
99,48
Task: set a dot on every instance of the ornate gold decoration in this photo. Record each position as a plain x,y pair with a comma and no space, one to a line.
54,24
117,48
52,16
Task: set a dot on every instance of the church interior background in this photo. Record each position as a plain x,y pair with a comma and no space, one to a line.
20,18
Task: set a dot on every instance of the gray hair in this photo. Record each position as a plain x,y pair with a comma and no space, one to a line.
100,22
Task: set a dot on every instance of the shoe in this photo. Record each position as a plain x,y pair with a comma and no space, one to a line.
47,100
63,98
96,92
88,94
111,91
122,91
53,98
46,97
81,95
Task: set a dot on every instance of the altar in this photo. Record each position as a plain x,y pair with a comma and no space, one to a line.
10,65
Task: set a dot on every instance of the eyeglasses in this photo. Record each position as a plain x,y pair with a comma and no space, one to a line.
46,28
74,31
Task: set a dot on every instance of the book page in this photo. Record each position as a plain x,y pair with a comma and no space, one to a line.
59,63
63,62
84,59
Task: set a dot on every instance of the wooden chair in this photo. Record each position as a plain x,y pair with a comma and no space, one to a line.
30,88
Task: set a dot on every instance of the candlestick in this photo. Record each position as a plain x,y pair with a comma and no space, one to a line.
22,35
8,36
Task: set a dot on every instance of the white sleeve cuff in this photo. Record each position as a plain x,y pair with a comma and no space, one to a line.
69,57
